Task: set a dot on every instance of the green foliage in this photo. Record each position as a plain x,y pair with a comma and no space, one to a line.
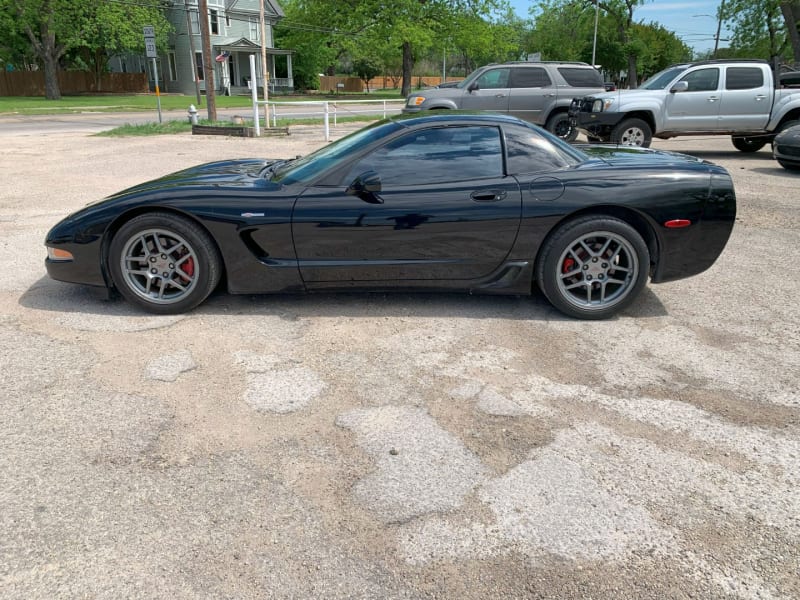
366,68
759,29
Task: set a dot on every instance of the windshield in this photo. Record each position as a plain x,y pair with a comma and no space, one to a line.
306,168
662,79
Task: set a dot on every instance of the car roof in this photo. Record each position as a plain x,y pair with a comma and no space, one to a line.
453,117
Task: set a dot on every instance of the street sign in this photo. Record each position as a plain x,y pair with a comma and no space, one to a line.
150,42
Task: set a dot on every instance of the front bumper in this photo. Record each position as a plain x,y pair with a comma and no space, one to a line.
593,124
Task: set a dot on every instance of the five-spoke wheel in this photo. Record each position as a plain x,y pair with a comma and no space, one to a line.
164,263
593,266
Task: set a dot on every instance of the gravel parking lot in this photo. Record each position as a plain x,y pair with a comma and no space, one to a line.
394,446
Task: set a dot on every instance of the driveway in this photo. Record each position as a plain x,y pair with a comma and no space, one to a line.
394,446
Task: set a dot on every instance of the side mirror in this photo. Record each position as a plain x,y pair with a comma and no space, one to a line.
367,186
473,86
681,86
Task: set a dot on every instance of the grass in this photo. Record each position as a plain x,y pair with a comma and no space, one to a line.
146,102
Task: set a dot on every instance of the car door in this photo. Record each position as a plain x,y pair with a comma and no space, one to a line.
444,211
696,109
532,93
492,92
746,99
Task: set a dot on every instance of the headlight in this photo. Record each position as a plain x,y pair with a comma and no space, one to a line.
415,100
602,105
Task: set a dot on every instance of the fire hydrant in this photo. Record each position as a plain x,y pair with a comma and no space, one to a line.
192,114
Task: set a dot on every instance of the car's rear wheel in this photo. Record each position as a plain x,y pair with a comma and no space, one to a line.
632,132
592,267
558,124
748,144
164,263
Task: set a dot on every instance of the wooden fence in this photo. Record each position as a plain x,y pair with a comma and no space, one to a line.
354,84
31,83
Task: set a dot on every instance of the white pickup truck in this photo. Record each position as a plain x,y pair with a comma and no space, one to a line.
740,98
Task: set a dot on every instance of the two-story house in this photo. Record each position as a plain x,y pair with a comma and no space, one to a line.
235,34
235,28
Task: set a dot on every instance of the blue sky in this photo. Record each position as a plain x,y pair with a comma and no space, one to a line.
687,18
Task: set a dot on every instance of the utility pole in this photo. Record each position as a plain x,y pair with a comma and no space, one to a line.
208,61
719,27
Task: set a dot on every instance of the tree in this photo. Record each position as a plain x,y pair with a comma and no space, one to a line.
52,27
758,27
791,16
366,68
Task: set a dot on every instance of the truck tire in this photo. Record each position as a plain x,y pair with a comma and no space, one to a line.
632,132
558,124
748,144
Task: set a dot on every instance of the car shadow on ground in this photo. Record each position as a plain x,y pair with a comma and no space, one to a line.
53,296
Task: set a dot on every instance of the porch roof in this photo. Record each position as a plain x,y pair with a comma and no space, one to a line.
244,45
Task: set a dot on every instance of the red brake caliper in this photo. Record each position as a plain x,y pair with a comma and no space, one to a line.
568,264
188,267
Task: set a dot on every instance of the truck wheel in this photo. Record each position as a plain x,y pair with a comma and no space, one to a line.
748,144
632,132
558,124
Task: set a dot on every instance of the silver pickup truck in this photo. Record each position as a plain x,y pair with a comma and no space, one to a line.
740,98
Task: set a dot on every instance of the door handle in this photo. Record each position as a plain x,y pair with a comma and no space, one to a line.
488,195
713,98
760,97
549,95
499,95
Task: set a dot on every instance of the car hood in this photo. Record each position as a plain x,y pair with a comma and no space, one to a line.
224,173
448,92
789,136
627,94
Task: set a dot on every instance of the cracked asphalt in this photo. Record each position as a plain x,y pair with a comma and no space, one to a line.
394,446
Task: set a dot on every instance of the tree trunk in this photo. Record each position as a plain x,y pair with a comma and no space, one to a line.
633,78
408,65
791,16
52,91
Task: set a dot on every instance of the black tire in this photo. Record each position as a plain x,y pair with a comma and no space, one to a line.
558,125
748,144
632,132
164,263
587,286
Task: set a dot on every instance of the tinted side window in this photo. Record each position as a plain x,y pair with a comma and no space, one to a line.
702,80
577,77
530,152
743,78
436,156
493,79
529,77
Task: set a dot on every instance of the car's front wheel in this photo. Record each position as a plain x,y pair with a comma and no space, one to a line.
632,132
592,267
164,263
558,124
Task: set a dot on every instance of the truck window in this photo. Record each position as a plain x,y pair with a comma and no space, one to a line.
743,78
529,77
493,79
577,77
702,80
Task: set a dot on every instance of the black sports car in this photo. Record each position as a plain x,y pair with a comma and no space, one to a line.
786,148
477,203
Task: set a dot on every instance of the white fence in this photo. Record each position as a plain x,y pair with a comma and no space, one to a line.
327,109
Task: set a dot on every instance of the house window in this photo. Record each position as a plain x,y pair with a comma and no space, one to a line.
173,67
214,20
254,29
195,21
198,62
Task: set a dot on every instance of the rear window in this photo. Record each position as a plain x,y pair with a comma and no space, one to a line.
743,78
577,77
